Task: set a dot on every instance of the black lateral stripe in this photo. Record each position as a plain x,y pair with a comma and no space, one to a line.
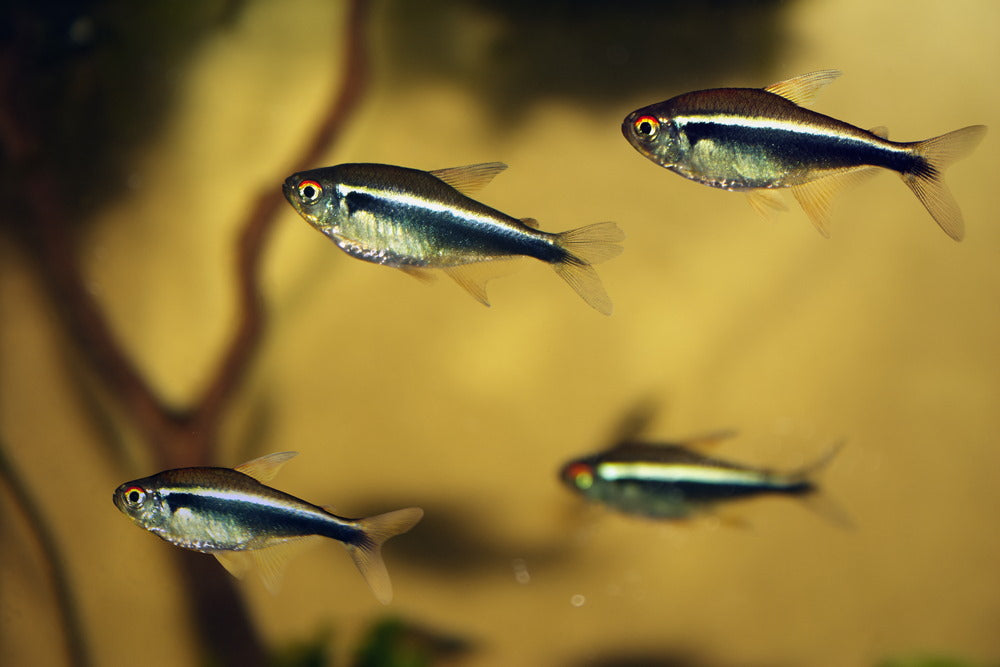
820,151
450,228
698,491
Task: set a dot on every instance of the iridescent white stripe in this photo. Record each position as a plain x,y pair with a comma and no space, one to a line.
649,472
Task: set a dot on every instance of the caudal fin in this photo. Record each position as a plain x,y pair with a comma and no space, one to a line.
368,554
814,499
926,181
586,246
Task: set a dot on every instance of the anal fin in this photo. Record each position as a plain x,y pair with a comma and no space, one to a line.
816,196
271,561
474,276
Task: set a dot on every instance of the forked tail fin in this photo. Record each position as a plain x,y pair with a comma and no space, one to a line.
586,246
368,554
815,499
926,181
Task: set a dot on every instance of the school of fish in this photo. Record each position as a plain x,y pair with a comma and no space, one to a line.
740,139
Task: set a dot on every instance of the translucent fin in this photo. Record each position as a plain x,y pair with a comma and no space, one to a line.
927,184
469,178
710,439
802,89
882,132
595,243
765,202
585,246
470,281
810,470
584,280
236,562
422,275
815,197
271,561
368,555
826,507
529,222
264,469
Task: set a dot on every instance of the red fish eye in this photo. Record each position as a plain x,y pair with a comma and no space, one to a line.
310,191
646,126
581,475
134,495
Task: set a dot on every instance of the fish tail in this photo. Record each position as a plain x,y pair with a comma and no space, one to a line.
926,179
367,553
813,497
586,246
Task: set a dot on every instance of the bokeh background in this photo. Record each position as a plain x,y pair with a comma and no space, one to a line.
141,139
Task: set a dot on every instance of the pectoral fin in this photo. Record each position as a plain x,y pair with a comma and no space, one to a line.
765,202
236,562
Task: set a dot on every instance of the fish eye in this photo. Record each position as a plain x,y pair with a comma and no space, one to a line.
134,495
646,126
310,191
581,475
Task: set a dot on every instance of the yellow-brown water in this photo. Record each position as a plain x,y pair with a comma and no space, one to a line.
399,393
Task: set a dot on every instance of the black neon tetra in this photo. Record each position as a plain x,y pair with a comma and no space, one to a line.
673,481
231,514
424,220
757,139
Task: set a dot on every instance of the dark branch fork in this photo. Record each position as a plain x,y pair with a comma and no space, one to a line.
185,436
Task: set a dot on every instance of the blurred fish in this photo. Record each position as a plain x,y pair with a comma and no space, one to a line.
415,220
232,515
672,481
753,140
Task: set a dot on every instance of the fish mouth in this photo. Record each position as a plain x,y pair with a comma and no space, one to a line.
288,189
118,498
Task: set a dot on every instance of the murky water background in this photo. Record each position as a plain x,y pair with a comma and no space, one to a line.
396,392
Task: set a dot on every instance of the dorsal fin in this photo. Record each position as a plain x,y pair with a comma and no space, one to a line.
802,89
264,468
471,177
709,439
696,442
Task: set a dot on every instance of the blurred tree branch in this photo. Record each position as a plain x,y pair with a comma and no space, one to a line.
76,646
176,437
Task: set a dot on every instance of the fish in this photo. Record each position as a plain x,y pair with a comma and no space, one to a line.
675,481
231,514
755,140
419,221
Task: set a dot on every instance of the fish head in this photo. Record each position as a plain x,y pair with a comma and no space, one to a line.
652,131
314,195
579,475
140,501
